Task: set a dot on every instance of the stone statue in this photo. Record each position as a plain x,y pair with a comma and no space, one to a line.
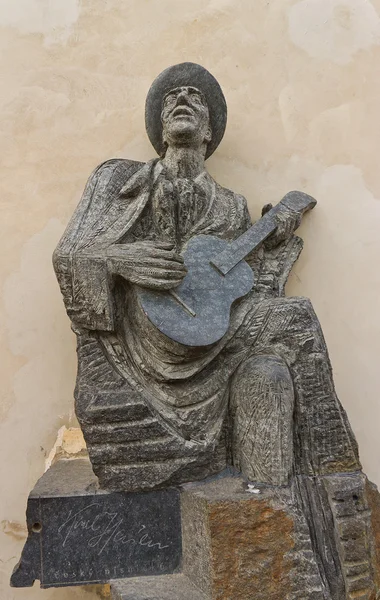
155,412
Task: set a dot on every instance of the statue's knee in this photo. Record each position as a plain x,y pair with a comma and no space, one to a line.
261,411
263,381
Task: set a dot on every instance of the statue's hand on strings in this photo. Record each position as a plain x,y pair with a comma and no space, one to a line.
154,265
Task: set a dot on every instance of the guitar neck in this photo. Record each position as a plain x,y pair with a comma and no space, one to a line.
297,202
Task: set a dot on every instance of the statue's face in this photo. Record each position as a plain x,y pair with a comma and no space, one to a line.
185,118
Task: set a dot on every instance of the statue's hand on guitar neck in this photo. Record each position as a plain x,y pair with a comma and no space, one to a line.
153,265
287,222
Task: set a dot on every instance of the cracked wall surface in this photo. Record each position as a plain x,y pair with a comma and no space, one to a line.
302,86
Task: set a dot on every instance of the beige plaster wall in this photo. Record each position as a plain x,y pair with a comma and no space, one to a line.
302,84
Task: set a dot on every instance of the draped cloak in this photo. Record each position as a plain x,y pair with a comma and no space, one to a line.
188,389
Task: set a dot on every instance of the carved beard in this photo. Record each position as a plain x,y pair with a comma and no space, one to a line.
177,205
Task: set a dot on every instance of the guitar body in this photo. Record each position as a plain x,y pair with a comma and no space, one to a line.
197,312
201,314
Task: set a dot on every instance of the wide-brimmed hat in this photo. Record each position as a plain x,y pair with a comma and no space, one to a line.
185,74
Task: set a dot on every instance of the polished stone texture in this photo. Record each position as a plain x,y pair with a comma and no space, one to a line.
79,534
198,313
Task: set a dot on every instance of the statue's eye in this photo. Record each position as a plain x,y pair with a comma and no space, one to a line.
196,98
169,100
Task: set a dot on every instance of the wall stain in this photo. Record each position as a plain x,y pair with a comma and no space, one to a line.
14,529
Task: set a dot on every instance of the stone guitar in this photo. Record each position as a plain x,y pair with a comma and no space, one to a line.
197,312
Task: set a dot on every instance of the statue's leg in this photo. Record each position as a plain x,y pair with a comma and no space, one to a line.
262,404
329,487
323,439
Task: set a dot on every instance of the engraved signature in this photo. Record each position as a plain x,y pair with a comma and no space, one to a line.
107,527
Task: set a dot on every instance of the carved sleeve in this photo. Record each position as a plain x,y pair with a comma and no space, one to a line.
80,257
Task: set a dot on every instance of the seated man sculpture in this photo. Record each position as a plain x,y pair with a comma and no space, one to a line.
156,412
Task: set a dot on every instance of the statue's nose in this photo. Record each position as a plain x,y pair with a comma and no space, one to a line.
183,97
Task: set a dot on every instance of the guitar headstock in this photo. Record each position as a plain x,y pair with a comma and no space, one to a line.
299,202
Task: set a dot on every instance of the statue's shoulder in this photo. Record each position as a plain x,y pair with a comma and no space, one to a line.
115,169
234,197
100,200
237,203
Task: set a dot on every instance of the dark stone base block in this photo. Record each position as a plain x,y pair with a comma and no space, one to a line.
79,534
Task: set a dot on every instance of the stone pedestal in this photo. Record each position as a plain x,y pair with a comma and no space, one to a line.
164,587
80,534
222,539
241,542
